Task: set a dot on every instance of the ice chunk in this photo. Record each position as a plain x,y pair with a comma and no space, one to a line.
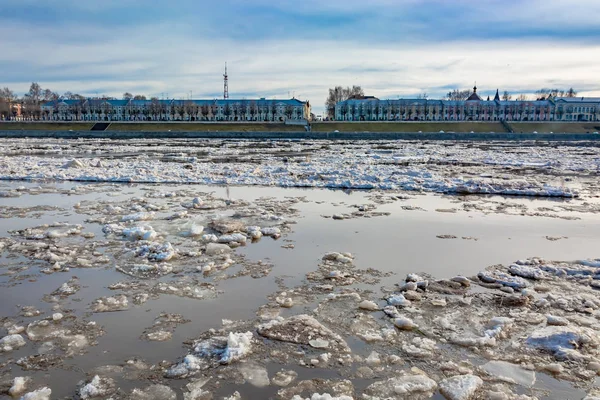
510,373
154,392
561,341
404,323
238,346
401,387
398,300
11,342
98,387
193,231
40,394
526,272
502,278
273,232
284,378
234,237
19,386
324,396
75,163
301,329
140,233
460,387
555,320
141,216
217,248
109,304
255,374
368,305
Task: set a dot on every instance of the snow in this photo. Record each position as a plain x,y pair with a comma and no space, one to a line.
11,342
40,394
461,387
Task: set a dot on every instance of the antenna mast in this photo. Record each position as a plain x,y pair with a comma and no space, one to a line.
225,84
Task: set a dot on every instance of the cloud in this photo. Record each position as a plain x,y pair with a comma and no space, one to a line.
391,48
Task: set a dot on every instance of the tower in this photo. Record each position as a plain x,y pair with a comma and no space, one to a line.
225,84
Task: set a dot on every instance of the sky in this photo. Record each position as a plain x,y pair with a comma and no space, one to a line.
284,48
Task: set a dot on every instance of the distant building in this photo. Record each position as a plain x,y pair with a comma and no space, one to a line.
369,108
176,110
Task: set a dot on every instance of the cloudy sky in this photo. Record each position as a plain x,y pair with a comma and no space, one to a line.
276,48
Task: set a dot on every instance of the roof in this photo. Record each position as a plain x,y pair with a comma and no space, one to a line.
474,96
579,99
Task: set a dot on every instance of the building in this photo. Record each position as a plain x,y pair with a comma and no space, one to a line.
474,108
176,110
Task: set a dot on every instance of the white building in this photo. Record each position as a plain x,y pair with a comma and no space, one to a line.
176,110
368,108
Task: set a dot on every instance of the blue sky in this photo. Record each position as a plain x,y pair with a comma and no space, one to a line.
393,48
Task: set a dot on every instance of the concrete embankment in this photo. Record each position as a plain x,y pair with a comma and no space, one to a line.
304,135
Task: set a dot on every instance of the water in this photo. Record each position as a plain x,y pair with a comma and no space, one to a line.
403,242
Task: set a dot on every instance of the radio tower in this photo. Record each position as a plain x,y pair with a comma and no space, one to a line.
225,84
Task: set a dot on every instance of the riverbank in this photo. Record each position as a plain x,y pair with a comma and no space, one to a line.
499,136
316,127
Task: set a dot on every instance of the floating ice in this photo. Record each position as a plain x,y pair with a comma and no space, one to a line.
11,342
40,394
401,387
98,387
19,386
460,387
141,216
109,304
140,233
510,373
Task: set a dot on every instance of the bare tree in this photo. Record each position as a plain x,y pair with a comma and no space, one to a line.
127,96
214,110
273,108
253,110
457,95
139,97
338,94
506,96
227,111
289,110
49,95
571,93
204,110
522,97
7,100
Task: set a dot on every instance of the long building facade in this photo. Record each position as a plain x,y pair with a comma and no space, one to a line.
175,110
368,108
